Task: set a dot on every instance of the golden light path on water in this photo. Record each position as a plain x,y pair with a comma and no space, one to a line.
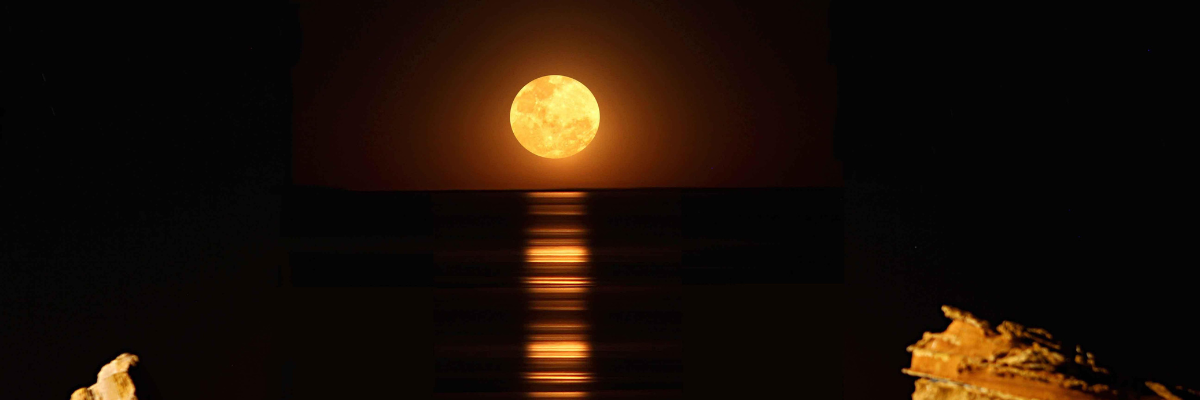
556,263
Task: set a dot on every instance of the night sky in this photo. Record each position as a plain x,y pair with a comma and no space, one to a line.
416,97
1027,164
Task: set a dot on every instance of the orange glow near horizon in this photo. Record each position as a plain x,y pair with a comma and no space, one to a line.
557,349
557,195
557,395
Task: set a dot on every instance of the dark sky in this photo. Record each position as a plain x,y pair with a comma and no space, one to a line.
402,96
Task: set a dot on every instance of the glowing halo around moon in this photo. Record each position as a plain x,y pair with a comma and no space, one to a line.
554,116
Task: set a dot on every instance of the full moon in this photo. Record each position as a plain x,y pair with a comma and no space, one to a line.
554,116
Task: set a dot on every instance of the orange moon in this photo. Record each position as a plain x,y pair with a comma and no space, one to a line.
554,116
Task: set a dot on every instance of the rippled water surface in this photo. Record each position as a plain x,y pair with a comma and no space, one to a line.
578,332
549,295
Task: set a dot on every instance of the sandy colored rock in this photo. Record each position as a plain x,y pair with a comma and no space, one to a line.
112,383
972,360
928,389
82,394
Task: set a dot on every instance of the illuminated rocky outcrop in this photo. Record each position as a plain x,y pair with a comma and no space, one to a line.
113,382
972,360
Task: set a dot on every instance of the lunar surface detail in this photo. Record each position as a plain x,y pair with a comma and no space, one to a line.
554,116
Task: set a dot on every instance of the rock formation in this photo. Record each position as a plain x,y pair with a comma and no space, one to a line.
114,382
972,360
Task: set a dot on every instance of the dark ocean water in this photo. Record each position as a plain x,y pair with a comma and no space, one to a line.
320,294
564,294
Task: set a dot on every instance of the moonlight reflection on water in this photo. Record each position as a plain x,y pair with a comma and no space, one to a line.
556,280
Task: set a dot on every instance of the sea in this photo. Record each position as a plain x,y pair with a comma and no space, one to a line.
561,294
